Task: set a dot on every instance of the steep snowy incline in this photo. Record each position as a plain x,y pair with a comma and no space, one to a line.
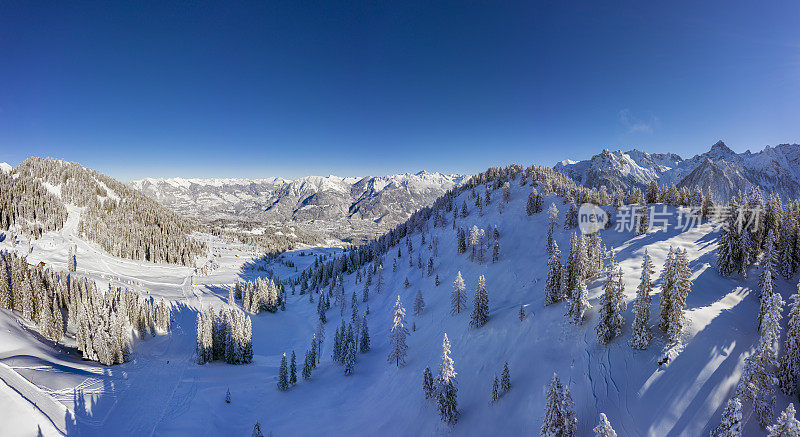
640,397
162,391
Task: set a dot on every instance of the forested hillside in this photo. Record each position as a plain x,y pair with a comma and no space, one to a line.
123,221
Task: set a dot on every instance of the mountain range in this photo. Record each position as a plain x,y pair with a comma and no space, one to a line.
364,205
723,171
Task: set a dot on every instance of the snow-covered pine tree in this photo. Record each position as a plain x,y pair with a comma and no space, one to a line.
521,312
461,240
428,386
364,340
397,336
552,216
446,401
436,281
350,352
306,372
578,304
770,260
379,280
419,303
293,369
667,284
257,430
480,307
342,342
200,346
337,346
495,389
786,426
603,428
283,379
727,250
642,219
611,320
571,217
682,284
552,288
766,294
458,300
745,246
505,379
642,336
756,382
572,267
559,416
731,422
789,363
530,206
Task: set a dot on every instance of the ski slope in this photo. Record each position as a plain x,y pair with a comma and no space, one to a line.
162,391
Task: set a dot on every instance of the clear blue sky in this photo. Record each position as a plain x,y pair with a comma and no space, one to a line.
290,88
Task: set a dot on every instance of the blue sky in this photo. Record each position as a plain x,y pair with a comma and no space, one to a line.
291,88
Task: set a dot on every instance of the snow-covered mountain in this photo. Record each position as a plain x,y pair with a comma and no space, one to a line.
725,172
381,200
678,387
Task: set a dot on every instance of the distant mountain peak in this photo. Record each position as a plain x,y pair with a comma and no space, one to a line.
725,172
348,206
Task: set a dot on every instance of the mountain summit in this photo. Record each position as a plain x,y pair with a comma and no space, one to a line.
723,171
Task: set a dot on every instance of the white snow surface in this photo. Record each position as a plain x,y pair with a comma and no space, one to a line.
162,391
6,167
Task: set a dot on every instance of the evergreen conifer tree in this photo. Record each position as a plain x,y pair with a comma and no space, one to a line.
789,363
480,310
283,379
447,403
731,423
553,291
397,336
611,321
428,386
457,297
578,304
641,322
604,429
364,337
419,303
505,379
786,426
559,416
257,430
293,370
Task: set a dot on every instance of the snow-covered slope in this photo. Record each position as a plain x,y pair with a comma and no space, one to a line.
6,167
161,391
725,172
382,200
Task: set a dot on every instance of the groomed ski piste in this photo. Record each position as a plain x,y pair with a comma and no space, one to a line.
163,391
